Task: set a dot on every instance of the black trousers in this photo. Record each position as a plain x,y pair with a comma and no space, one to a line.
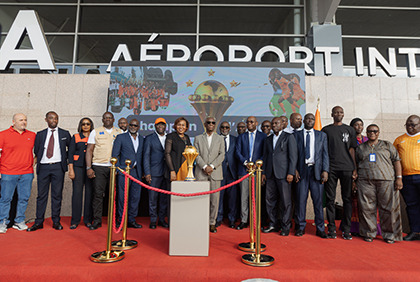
231,194
279,190
330,193
49,174
155,198
100,184
81,181
134,194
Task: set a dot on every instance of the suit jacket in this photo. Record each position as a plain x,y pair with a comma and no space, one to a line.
123,149
209,156
230,162
153,156
282,160
64,143
242,150
322,160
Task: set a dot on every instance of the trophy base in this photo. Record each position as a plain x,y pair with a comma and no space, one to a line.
122,245
101,257
264,260
246,247
189,179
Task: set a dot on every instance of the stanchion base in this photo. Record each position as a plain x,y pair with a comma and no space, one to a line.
246,247
120,245
251,259
100,257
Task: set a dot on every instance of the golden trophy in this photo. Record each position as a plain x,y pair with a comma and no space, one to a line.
190,153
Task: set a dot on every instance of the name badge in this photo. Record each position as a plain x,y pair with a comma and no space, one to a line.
372,157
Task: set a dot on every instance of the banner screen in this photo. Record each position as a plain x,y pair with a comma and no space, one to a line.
226,91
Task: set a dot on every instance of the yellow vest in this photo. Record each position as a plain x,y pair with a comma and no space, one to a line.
103,144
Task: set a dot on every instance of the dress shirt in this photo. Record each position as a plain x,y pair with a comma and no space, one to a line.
227,141
162,138
135,144
275,139
311,159
56,158
209,139
253,142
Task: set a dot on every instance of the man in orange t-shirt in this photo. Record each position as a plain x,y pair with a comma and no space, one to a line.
408,146
16,168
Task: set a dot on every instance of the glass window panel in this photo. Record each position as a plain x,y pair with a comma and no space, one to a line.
382,45
249,20
100,49
259,2
139,1
382,3
255,43
52,18
138,19
378,22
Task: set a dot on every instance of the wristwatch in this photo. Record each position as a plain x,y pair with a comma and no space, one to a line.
88,167
399,176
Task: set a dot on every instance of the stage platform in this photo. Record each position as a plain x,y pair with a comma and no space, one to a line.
51,255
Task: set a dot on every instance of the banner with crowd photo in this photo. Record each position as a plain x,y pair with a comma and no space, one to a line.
195,90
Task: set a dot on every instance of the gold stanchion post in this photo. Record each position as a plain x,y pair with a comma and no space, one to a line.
250,246
125,244
109,255
257,259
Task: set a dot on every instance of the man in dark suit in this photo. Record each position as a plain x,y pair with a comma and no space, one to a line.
249,148
129,146
230,174
279,166
311,174
154,166
51,145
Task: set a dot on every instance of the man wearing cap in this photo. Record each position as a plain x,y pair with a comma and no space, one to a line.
154,166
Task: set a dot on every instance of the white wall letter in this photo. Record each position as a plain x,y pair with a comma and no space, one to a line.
235,48
26,20
359,60
301,49
389,67
270,48
170,53
411,55
143,52
122,49
327,56
210,48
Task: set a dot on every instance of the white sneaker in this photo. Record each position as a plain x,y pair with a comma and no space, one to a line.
3,228
20,226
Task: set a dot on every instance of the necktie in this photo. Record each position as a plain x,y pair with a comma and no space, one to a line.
307,146
226,148
50,148
251,144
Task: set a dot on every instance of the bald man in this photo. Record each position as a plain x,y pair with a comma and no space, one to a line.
16,168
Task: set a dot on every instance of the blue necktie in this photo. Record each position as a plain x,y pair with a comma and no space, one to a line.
251,144
307,146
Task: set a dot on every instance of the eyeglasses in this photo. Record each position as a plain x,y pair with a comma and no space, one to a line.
224,127
372,131
265,126
134,125
210,122
250,121
85,123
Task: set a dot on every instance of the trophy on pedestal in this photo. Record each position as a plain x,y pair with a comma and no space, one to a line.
190,153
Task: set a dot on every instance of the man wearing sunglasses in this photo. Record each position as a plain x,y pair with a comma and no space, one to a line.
408,146
211,149
129,146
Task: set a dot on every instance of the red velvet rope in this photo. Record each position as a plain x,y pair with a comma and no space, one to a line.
125,207
254,213
182,194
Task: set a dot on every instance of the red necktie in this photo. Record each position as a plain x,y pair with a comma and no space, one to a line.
50,148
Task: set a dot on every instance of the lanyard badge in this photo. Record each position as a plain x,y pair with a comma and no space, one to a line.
372,157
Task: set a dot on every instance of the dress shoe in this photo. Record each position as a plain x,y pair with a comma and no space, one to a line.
134,225
368,239
299,232
35,227
95,226
218,223
152,225
57,226
269,229
389,241
284,233
412,236
73,226
332,234
231,224
321,234
163,224
88,225
347,236
241,226
213,229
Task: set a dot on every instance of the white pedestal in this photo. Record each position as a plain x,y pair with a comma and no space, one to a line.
189,222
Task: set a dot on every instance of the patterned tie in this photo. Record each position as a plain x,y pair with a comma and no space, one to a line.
50,148
307,146
251,144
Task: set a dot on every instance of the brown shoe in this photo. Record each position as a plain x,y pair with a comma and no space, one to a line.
213,229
